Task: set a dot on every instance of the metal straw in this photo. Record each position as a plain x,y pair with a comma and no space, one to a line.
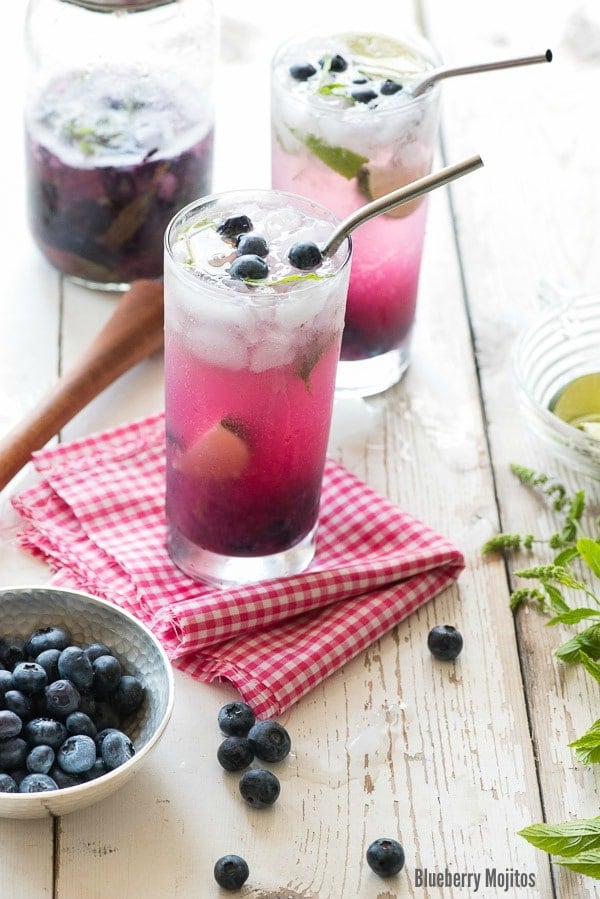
449,71
397,198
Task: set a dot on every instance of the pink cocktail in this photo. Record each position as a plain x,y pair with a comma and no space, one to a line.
346,130
250,367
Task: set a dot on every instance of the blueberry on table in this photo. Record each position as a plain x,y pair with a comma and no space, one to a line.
259,787
302,71
235,753
253,244
269,740
232,227
248,266
305,255
363,94
385,857
389,87
231,872
444,642
235,718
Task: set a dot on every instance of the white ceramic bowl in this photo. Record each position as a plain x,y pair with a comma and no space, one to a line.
557,348
91,620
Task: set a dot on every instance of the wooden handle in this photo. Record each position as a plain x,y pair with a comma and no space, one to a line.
134,331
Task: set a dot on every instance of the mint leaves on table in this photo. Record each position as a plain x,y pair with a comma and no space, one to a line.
576,844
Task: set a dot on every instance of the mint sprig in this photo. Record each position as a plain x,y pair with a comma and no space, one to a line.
575,844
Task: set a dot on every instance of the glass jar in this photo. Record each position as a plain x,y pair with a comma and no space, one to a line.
119,123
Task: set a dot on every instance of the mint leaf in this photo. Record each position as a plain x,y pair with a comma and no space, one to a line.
570,838
574,616
589,550
344,162
590,666
587,641
587,747
587,863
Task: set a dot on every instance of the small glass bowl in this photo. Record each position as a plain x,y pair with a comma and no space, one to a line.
559,347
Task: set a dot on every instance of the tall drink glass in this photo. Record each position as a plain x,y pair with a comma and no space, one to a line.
346,130
250,366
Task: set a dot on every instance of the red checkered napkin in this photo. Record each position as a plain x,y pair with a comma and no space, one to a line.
97,517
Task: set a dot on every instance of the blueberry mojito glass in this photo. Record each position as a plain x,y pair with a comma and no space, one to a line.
253,324
118,130
346,130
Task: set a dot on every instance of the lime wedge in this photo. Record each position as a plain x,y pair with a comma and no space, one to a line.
376,181
381,47
592,428
344,162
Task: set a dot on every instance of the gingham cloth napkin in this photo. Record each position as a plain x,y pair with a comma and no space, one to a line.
96,516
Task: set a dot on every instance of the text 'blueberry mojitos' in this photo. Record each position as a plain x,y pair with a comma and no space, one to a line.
346,130
252,343
119,130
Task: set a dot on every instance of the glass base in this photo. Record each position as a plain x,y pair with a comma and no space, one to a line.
229,571
99,285
367,377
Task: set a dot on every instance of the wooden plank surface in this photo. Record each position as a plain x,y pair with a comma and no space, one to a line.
394,743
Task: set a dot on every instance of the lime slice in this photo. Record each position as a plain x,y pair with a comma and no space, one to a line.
381,47
592,428
376,181
344,162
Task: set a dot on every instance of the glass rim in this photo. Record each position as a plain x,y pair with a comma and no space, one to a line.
413,39
108,6
248,194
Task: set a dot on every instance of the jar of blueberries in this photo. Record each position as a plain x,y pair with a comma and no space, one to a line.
119,123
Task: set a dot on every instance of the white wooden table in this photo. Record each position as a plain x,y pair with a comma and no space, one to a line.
453,759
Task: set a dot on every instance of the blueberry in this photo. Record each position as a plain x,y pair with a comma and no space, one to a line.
12,650
18,702
13,753
389,87
302,71
62,697
116,749
97,770
385,857
337,63
253,244
87,704
235,718
363,94
235,753
444,642
269,740
106,675
47,638
76,754
40,759
64,780
10,724
248,266
37,783
80,723
8,784
232,227
94,650
259,787
105,717
305,255
231,872
48,659
361,79
128,696
98,739
5,682
29,677
45,732
75,665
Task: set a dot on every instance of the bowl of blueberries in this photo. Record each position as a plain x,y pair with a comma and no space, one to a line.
86,693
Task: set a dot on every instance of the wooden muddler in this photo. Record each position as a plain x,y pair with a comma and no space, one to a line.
134,331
